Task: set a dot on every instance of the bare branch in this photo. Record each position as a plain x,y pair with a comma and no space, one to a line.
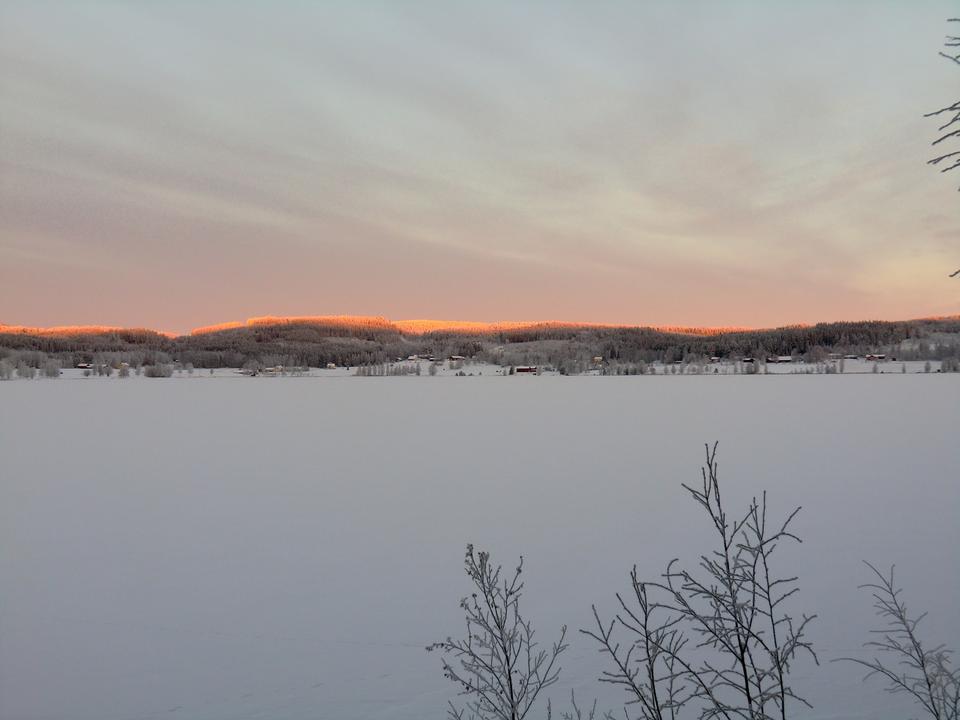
952,41
716,639
498,666
924,674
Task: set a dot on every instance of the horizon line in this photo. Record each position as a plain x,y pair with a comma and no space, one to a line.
420,326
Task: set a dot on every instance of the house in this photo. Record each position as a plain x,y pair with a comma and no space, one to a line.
597,360
331,366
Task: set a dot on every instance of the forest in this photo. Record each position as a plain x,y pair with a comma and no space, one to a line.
355,342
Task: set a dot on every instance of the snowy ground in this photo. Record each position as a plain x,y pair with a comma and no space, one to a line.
471,369
285,547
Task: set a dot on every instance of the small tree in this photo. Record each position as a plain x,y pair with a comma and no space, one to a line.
158,371
498,665
25,371
732,607
924,674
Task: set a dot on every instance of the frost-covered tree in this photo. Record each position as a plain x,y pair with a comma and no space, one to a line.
158,371
498,665
717,640
924,673
25,371
950,130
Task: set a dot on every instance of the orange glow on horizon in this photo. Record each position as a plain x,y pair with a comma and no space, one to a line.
346,321
420,326
75,330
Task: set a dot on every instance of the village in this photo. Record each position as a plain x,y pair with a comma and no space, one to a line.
463,366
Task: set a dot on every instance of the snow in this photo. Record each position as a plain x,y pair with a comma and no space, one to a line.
285,547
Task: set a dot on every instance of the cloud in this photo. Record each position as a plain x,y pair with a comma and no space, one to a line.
757,148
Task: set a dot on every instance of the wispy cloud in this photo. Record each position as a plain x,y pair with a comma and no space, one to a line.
544,159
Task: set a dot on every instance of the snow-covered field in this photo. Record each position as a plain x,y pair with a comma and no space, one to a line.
476,369
285,547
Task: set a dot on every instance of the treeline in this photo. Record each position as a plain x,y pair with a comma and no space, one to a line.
315,342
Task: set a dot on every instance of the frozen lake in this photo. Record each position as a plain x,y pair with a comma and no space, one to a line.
226,548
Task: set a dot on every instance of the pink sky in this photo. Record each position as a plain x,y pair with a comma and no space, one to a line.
175,165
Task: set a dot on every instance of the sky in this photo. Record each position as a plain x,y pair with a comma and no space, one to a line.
176,164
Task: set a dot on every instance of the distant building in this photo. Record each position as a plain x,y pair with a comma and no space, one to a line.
526,369
597,360
331,366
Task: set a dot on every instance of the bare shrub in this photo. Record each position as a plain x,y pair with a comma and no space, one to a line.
576,712
923,673
158,371
498,666
25,371
716,641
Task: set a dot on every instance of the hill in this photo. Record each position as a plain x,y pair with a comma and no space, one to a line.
365,340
